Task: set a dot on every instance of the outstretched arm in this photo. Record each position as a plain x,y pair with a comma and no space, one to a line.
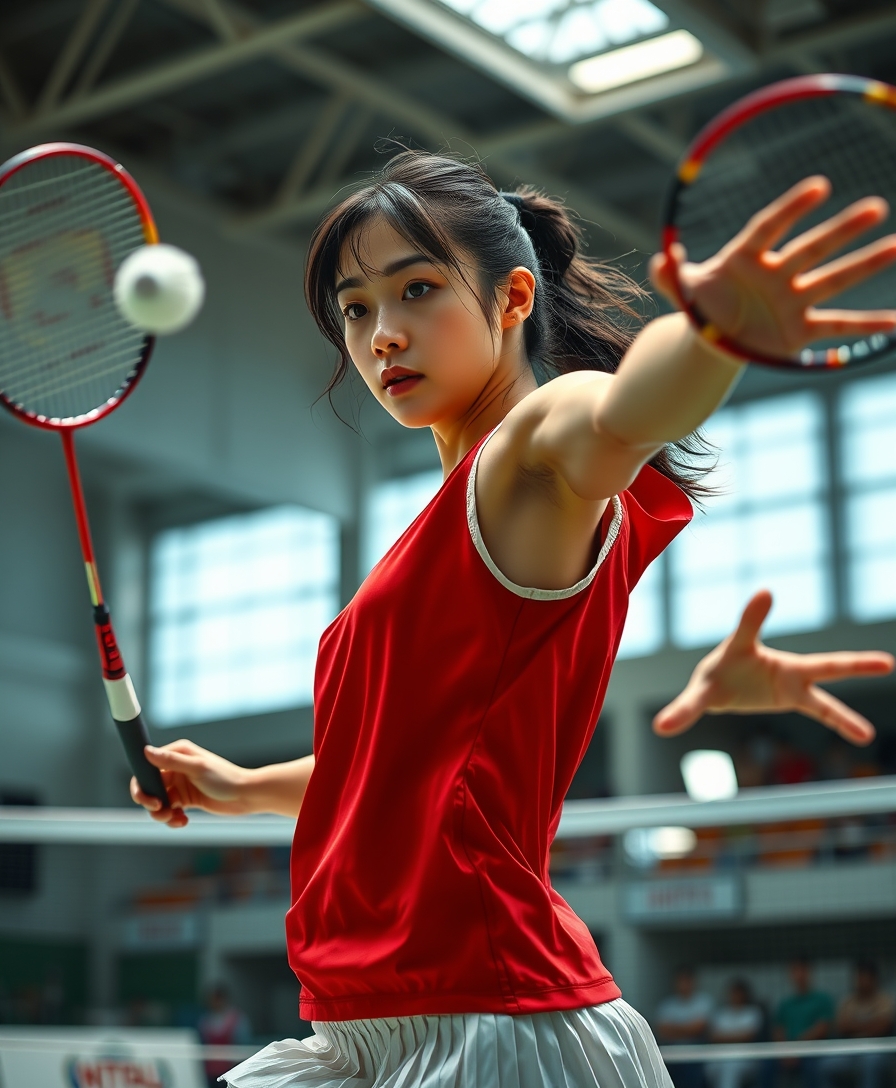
596,430
743,676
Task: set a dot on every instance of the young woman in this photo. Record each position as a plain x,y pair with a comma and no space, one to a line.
456,694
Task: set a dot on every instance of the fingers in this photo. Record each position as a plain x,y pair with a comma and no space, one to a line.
847,271
751,620
772,223
173,816
178,756
824,323
844,665
664,271
684,710
827,709
812,247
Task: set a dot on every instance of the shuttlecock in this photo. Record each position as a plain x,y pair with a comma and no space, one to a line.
159,288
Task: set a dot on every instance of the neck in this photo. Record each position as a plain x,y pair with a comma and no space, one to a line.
509,383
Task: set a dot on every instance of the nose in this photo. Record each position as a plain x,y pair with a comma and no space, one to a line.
387,340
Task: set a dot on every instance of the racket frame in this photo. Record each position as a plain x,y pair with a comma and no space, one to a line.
799,88
122,698
151,235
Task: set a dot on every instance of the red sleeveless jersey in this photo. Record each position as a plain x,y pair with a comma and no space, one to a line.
452,709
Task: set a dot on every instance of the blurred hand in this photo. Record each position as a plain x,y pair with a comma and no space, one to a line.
743,676
194,778
767,299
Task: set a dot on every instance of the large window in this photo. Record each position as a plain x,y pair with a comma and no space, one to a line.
237,606
391,507
868,470
767,528
644,631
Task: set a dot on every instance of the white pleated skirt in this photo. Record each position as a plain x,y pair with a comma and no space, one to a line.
603,1046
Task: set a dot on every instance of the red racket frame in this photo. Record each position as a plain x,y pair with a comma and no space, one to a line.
46,151
122,699
767,98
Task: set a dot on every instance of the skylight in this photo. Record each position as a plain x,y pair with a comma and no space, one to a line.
578,59
559,32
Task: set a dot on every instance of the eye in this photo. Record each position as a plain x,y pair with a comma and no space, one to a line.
353,311
417,289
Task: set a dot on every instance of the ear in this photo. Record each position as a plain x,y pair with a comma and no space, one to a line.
519,297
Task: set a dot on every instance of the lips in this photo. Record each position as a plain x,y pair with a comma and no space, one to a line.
394,375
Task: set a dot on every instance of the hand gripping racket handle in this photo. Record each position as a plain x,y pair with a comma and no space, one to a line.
135,738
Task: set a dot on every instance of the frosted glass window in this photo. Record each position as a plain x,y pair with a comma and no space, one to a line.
237,606
561,31
868,446
391,507
643,632
767,529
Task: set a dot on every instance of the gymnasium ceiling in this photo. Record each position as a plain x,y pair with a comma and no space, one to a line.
263,109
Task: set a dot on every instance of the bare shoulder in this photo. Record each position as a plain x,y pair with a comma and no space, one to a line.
564,403
551,432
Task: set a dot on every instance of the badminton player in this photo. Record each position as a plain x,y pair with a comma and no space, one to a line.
457,692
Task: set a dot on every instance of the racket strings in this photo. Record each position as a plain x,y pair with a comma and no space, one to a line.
66,224
769,151
103,359
854,145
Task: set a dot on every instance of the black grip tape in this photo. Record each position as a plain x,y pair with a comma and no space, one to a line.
135,738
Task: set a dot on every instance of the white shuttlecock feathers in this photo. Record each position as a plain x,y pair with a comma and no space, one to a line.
159,289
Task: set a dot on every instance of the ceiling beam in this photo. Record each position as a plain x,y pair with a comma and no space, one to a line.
707,20
11,93
837,34
312,151
200,64
105,47
437,128
276,126
71,54
340,154
651,137
220,20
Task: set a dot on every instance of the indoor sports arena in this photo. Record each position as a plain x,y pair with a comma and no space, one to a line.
506,815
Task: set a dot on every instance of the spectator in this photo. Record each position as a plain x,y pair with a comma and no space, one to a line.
866,1013
222,1024
683,1018
740,1020
806,1014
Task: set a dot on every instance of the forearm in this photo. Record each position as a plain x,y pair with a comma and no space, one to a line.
278,787
669,382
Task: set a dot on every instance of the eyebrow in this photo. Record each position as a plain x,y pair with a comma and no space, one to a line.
389,270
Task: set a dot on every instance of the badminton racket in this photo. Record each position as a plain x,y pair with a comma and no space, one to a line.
839,126
69,216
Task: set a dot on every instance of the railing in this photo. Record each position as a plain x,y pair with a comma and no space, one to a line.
581,819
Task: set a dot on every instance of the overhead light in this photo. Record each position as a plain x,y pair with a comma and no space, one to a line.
635,62
708,775
644,846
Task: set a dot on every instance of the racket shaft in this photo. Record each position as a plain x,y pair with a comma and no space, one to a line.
120,692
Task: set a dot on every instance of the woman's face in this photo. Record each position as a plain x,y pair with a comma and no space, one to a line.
416,332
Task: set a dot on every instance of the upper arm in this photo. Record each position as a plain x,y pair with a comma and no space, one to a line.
556,428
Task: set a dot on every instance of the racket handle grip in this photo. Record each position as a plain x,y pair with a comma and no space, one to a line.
135,738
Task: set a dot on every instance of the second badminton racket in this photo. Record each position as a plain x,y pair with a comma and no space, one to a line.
839,126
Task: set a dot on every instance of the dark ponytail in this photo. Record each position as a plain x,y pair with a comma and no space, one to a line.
586,312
